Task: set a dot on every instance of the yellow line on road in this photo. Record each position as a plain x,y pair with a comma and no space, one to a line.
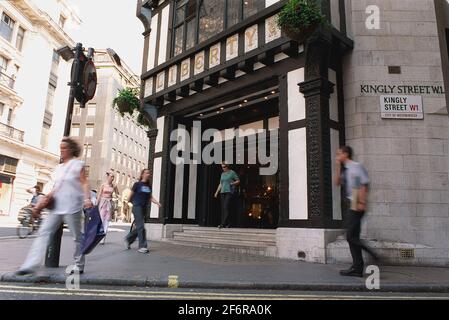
197,295
149,295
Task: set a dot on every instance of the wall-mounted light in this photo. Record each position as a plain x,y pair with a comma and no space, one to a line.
66,53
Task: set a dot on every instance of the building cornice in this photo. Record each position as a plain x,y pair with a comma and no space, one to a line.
40,18
73,13
124,69
41,154
11,94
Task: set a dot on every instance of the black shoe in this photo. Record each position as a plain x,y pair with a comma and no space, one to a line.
227,226
220,226
352,272
24,272
80,272
77,271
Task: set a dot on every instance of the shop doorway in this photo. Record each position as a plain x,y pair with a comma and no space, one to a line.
256,204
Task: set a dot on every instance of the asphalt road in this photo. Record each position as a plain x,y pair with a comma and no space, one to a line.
15,291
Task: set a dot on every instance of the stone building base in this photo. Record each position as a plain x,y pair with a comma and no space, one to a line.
330,246
305,244
391,253
158,232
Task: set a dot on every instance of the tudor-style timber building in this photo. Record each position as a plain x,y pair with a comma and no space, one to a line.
225,64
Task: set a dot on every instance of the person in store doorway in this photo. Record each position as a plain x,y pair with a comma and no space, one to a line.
353,177
228,187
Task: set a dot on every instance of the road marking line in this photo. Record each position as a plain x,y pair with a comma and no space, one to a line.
198,295
149,295
213,297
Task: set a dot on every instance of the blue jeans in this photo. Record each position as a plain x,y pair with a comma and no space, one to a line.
139,231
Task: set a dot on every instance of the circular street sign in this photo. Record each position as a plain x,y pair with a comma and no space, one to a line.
89,80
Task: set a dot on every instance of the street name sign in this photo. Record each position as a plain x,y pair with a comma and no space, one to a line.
401,107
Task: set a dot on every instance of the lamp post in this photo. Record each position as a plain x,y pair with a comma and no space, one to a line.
83,82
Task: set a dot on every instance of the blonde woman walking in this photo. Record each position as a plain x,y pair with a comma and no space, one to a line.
105,203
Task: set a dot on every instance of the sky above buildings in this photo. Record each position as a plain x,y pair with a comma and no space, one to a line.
111,24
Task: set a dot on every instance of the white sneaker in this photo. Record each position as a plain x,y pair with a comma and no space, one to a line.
143,250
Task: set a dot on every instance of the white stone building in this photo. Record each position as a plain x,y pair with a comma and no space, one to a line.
33,94
408,160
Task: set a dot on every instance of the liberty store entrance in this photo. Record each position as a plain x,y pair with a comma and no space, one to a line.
255,203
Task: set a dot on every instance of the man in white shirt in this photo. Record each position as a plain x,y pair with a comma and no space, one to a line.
353,177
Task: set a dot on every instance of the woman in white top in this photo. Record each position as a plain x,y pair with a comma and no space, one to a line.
70,193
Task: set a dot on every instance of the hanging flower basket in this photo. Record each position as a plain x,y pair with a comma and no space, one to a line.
124,107
299,19
300,36
127,101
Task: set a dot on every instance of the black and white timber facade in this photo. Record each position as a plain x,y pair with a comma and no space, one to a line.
227,65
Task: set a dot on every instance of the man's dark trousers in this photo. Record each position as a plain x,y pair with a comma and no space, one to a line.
354,221
226,204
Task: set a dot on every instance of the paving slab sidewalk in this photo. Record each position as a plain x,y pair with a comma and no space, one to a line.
193,267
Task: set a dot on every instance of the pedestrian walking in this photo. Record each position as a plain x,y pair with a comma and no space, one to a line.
105,202
140,196
69,195
229,181
353,177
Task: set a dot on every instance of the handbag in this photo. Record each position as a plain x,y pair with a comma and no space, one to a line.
45,202
48,202
93,230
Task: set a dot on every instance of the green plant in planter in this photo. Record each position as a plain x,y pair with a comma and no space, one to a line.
300,18
127,100
142,120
